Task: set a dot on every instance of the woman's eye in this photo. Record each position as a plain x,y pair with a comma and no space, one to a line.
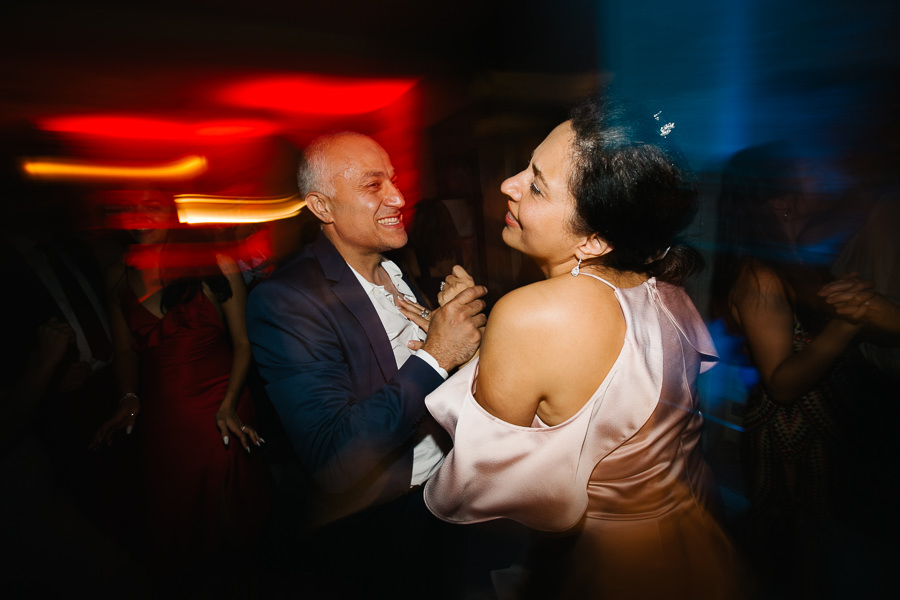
535,190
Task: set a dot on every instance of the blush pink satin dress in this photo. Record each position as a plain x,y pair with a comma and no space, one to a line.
625,474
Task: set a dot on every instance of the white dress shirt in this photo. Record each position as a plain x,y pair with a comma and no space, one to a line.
427,455
38,262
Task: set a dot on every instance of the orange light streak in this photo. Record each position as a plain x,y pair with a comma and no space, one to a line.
184,168
194,209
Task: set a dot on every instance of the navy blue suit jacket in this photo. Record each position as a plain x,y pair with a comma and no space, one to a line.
331,375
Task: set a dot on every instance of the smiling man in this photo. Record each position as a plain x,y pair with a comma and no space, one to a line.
338,360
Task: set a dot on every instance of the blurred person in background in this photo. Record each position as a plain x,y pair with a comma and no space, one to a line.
773,287
434,247
60,530
182,357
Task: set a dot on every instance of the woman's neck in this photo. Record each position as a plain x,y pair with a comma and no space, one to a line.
623,279
620,279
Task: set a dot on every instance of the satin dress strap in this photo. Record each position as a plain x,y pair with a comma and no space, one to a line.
598,278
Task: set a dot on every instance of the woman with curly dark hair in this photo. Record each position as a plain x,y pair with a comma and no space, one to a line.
579,418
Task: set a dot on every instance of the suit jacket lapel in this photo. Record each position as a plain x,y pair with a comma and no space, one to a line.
351,294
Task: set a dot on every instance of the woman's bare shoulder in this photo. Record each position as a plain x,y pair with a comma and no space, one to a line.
528,306
757,279
548,306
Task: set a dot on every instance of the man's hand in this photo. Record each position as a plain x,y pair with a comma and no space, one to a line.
74,377
455,329
53,340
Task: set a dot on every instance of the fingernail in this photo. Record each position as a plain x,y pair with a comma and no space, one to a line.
128,429
257,443
262,440
225,440
247,449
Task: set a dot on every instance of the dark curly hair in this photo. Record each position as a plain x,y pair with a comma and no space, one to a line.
632,188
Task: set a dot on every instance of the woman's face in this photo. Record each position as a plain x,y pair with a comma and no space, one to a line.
148,236
540,205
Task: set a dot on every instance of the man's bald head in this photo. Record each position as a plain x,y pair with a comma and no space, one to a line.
315,172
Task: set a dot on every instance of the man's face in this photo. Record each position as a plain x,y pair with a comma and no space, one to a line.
366,203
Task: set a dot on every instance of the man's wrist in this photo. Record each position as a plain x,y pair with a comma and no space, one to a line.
431,361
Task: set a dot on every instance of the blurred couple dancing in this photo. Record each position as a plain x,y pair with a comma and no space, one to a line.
572,410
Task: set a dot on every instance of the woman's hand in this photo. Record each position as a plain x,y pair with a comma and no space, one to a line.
849,297
453,284
228,422
124,418
415,312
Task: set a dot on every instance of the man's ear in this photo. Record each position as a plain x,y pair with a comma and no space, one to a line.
320,205
593,246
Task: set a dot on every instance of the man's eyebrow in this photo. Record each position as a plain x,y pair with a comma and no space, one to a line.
368,174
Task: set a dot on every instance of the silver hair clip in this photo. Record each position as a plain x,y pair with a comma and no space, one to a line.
665,129
658,256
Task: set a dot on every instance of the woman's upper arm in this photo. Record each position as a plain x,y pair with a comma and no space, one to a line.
767,319
121,334
235,307
509,379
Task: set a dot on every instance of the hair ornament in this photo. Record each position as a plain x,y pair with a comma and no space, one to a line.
658,256
665,129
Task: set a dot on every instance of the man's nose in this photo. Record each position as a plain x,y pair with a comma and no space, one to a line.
395,197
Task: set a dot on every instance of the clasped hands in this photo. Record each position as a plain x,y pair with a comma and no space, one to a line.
857,303
455,328
849,297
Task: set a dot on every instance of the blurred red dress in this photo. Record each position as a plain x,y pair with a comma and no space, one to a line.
204,500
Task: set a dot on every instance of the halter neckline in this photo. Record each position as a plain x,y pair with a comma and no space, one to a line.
598,278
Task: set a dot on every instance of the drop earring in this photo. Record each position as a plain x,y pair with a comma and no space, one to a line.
576,269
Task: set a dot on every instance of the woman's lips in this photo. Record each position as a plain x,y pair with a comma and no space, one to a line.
511,220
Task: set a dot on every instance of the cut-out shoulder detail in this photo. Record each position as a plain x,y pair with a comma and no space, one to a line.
598,278
542,476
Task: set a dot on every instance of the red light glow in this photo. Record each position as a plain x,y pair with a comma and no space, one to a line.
311,94
182,259
140,128
198,259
